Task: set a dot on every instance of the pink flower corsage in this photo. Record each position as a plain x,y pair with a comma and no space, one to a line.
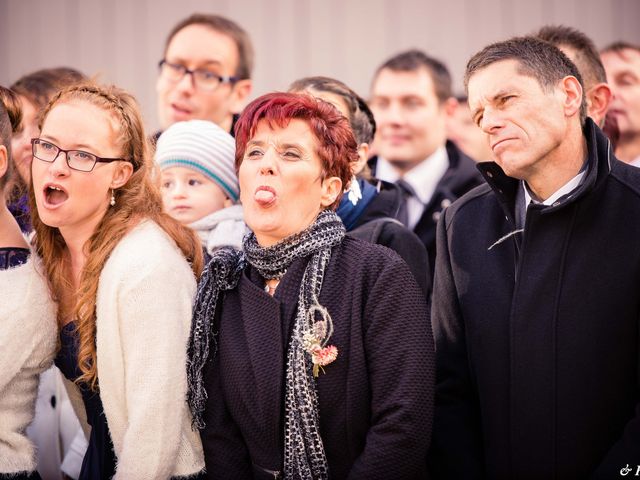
320,356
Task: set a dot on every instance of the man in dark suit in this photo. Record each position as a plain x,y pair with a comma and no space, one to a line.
411,100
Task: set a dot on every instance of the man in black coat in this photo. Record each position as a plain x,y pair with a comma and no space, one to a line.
412,100
535,305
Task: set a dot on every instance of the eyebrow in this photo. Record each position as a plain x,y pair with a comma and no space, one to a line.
77,146
626,72
500,93
204,64
260,143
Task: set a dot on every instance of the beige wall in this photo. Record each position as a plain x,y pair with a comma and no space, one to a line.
122,40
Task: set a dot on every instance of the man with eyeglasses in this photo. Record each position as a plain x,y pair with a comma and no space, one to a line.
205,73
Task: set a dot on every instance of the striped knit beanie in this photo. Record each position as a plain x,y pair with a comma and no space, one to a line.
204,147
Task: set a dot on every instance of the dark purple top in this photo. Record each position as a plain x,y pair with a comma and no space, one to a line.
99,461
12,257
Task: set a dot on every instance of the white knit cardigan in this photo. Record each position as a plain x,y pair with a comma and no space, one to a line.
143,311
28,336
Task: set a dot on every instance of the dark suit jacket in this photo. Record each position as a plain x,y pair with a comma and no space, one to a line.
375,400
461,176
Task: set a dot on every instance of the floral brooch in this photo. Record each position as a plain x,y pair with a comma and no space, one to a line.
314,343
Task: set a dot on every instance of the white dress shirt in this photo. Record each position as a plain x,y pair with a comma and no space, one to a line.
565,189
423,178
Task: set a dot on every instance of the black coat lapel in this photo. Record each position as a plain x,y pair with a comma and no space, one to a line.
267,321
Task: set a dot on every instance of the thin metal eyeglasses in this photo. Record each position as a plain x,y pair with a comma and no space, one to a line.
76,159
200,78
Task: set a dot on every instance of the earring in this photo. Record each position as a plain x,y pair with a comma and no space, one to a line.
113,198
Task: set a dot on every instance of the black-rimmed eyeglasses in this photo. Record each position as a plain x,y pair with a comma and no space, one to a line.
201,78
76,159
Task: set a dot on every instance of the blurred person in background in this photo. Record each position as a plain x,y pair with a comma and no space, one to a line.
369,208
622,63
466,135
583,53
411,100
27,320
205,72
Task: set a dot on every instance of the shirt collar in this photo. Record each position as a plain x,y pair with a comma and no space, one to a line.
562,191
423,178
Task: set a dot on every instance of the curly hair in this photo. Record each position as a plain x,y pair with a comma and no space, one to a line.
138,199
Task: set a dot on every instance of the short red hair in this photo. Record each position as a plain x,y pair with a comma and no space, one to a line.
337,149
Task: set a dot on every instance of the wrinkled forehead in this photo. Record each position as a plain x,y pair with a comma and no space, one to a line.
492,78
496,79
288,131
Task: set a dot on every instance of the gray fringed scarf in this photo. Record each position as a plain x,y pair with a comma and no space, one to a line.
304,455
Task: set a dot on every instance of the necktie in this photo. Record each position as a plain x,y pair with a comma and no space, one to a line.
407,192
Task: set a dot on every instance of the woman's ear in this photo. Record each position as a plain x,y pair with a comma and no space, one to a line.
4,161
121,174
331,188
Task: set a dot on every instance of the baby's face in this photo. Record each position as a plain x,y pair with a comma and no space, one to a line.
189,196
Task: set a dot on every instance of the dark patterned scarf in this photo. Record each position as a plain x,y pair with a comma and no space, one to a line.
304,455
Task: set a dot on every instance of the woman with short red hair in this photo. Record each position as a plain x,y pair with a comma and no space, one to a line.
317,361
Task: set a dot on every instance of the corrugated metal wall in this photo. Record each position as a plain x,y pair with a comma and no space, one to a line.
122,40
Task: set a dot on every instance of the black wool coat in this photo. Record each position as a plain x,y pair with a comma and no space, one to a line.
460,177
537,335
376,221
375,399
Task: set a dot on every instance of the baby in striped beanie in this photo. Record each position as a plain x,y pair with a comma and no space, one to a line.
199,184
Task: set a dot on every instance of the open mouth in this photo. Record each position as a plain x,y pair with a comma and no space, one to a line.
55,195
265,196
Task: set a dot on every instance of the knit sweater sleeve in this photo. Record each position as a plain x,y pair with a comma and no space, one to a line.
27,322
154,315
400,361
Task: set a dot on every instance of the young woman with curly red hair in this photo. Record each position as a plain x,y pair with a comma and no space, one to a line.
123,274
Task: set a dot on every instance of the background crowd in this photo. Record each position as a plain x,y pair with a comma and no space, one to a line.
526,293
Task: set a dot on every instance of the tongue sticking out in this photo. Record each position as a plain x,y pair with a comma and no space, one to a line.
56,197
265,197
